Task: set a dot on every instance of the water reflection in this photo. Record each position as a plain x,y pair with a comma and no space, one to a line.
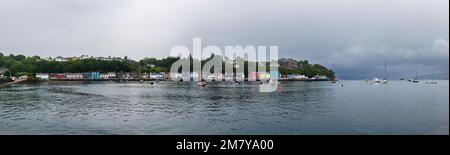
222,108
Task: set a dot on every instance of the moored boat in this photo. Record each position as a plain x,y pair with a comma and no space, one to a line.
201,83
376,80
385,80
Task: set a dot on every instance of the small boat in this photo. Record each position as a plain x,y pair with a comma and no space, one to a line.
385,80
431,82
376,80
416,80
201,83
410,80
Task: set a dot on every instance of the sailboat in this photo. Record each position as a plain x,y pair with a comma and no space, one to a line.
385,80
415,80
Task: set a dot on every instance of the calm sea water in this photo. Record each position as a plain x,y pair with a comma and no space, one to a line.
170,108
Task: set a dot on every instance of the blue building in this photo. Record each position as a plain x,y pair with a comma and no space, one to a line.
94,75
275,74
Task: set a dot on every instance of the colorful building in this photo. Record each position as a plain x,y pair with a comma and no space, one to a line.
94,75
275,75
264,75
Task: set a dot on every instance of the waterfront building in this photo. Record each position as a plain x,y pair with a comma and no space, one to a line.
51,75
85,57
275,75
94,75
319,78
158,76
264,76
253,76
74,76
145,76
60,59
127,76
111,75
103,76
43,76
60,76
297,77
72,58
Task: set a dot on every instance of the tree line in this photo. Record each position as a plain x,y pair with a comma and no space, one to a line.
23,65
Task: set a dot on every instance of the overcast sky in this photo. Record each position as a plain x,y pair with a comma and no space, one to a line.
353,37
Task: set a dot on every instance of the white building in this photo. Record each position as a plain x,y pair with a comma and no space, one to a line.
297,77
74,76
109,75
158,76
85,57
43,76
61,59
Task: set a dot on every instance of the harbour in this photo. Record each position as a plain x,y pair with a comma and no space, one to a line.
167,107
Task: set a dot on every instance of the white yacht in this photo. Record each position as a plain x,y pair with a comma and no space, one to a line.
385,80
376,80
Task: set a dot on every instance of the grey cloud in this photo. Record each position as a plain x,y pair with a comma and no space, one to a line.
365,62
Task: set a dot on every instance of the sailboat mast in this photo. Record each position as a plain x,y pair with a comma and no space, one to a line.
385,72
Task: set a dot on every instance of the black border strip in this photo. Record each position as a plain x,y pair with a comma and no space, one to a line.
282,143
